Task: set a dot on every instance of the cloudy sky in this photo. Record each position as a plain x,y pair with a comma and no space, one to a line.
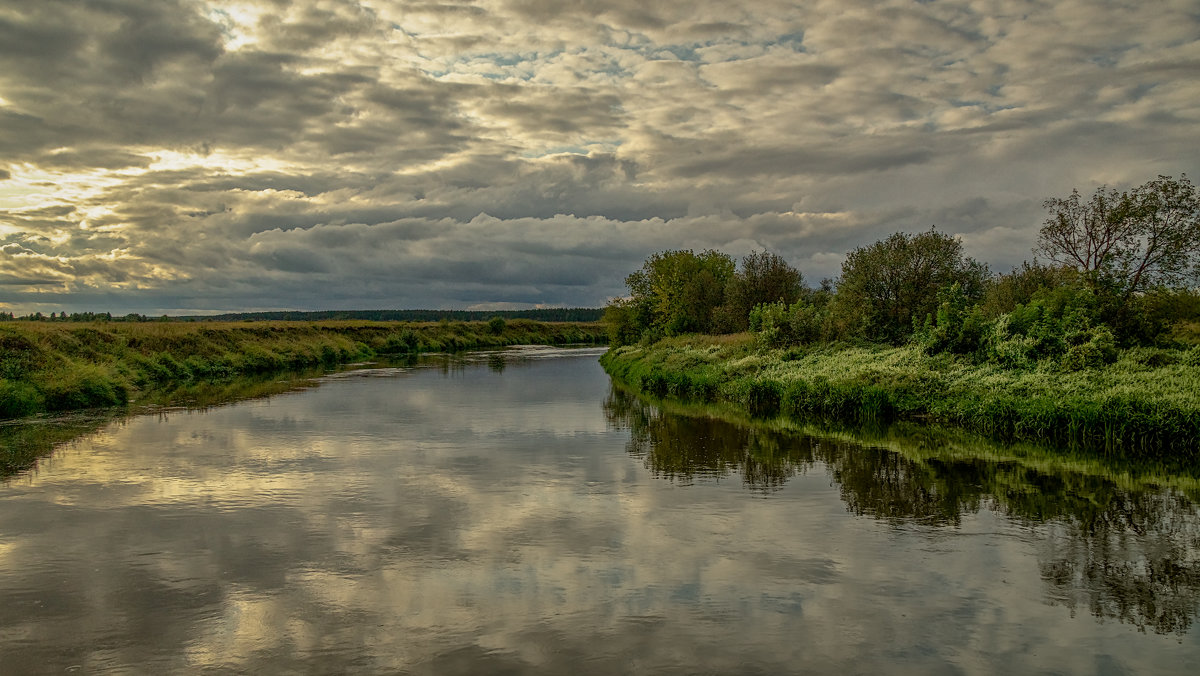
191,155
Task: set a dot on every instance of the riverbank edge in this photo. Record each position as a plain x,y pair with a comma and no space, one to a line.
50,367
1130,408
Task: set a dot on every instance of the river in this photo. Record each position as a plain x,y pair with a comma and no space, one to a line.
514,513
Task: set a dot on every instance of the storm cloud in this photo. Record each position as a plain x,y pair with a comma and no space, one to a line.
172,156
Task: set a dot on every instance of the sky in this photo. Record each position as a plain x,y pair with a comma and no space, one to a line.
194,156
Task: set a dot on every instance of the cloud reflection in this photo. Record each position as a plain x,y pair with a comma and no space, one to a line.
467,520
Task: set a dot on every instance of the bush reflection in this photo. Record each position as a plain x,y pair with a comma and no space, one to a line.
1125,554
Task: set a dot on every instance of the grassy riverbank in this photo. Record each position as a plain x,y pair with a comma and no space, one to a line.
1146,403
46,366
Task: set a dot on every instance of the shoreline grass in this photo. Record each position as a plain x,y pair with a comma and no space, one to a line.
47,367
1146,404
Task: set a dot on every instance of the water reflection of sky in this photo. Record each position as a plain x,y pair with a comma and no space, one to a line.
476,519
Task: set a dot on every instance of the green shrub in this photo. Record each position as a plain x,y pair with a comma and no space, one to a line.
780,325
807,322
407,341
82,386
960,328
169,367
1099,350
771,322
255,359
1008,349
18,399
331,355
763,397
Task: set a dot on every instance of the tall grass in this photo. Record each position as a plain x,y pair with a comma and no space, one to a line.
1144,404
64,366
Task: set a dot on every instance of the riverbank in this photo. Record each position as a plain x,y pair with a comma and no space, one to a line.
47,366
1145,404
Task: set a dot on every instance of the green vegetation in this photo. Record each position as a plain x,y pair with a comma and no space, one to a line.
1099,348
48,366
674,292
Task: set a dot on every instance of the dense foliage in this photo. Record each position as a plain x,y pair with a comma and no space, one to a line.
885,285
764,277
678,292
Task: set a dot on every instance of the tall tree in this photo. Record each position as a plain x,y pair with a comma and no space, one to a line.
885,285
674,292
764,277
1129,242
688,287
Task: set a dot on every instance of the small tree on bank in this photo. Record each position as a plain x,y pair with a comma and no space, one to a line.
675,292
764,277
888,284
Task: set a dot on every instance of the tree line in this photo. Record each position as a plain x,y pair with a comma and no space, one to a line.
75,317
1115,270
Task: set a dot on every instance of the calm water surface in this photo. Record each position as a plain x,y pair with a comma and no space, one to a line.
514,514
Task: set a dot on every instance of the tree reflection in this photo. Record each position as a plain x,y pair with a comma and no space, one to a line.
1137,562
873,481
681,448
1130,555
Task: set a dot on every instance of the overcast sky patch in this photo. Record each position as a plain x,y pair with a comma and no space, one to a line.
164,156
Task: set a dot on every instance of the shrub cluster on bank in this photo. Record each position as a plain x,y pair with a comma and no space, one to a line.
65,366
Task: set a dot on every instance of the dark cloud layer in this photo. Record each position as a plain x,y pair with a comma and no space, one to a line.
194,155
